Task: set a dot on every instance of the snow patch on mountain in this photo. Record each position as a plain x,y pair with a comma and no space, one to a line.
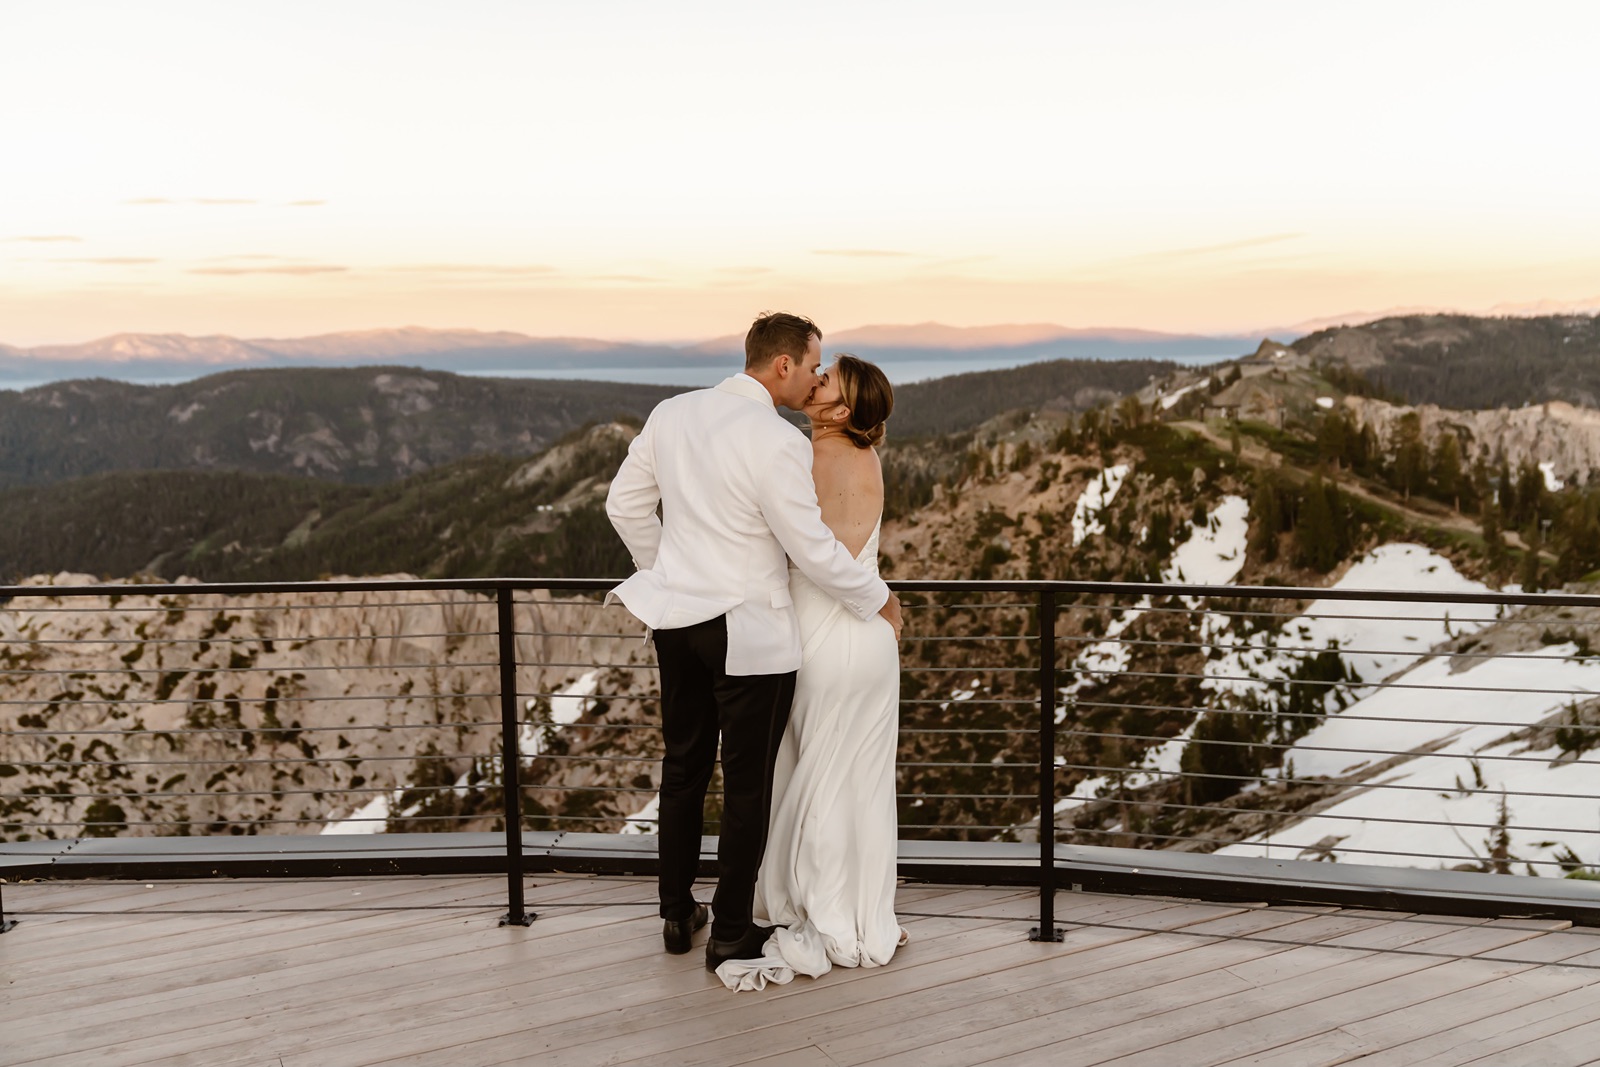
1094,499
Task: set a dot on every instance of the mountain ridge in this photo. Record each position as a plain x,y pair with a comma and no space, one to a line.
153,356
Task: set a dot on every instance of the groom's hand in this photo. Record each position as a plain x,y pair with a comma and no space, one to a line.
891,611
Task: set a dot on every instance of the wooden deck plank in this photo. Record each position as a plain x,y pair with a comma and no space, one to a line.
955,998
1231,1023
126,926
248,971
1146,991
983,977
288,996
310,976
852,1030
1575,1046
1499,1033
1299,976
1006,934
1404,1023
117,938
312,941
397,942
636,1004
1168,959
1427,990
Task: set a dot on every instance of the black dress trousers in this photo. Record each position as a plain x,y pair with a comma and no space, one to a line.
699,702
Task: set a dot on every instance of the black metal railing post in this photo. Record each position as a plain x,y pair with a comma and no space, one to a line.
5,924
1047,930
511,758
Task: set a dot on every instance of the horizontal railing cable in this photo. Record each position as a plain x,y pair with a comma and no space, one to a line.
1305,816
1301,746
1462,790
1321,716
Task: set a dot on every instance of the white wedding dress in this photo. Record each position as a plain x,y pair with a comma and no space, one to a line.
828,876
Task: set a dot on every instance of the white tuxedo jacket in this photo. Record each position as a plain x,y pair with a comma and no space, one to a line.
733,479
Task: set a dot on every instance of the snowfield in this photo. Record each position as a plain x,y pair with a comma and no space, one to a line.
1212,554
1376,640
1458,784
1094,499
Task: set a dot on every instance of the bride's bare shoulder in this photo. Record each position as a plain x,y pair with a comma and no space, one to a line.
843,461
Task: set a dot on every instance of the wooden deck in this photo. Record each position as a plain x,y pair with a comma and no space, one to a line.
415,970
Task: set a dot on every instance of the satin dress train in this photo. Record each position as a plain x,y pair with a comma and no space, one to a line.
827,879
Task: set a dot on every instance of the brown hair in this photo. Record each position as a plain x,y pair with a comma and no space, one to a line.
865,390
778,333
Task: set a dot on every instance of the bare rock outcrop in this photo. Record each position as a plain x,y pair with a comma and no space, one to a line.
283,713
1557,433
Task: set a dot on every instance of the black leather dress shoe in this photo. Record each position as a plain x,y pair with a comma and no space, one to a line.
678,934
747,947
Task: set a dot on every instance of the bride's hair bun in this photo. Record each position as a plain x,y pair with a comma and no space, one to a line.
866,392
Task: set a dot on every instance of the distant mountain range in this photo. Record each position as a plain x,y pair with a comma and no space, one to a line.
147,357
372,425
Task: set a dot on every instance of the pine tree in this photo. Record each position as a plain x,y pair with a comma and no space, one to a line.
1447,470
1333,439
1493,540
1316,538
1410,455
1530,493
1505,491
1268,515
1530,558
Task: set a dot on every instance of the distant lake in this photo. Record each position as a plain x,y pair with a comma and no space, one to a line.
899,371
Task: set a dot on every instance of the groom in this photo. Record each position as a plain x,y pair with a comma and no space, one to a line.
733,480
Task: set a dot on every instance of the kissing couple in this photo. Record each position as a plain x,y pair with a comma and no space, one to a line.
759,580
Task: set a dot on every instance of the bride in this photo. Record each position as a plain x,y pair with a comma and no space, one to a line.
828,878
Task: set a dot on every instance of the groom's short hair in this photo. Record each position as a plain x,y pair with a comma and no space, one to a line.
777,333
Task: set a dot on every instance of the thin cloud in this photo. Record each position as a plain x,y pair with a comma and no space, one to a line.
47,238
251,256
149,201
307,203
475,268
1228,246
638,279
744,272
864,253
297,269
113,261
222,201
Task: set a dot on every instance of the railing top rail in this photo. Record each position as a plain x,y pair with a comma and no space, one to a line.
489,586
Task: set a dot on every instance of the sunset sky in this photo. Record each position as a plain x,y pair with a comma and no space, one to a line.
663,171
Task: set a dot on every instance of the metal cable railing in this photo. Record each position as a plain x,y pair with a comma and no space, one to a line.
1404,728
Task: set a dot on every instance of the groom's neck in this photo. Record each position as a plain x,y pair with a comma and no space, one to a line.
769,386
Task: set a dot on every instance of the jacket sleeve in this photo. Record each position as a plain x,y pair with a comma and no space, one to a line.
788,497
632,499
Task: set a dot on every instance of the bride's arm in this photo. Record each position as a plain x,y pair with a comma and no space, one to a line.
789,505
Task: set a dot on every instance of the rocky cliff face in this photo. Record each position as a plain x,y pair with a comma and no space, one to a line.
287,713
1564,436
